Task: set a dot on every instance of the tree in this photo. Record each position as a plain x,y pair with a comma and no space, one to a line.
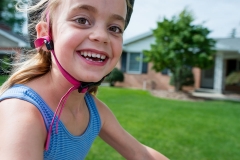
187,77
179,45
9,16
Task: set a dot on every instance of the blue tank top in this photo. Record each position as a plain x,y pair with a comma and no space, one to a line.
63,145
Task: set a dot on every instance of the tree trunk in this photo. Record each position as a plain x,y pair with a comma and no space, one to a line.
111,83
177,79
178,86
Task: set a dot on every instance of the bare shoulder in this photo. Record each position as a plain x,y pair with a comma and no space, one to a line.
22,130
103,109
20,110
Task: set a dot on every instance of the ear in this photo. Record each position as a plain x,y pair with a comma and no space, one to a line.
42,29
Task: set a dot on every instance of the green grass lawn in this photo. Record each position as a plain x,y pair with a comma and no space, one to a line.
180,130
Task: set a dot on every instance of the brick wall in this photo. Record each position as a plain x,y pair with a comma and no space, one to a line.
153,80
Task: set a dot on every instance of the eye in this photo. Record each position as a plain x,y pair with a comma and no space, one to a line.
115,29
82,21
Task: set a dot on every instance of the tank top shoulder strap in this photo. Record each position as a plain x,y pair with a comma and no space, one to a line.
27,94
93,111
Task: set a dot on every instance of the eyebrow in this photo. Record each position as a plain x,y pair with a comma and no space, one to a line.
87,7
118,17
94,10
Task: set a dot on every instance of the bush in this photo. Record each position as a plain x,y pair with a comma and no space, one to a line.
5,65
233,78
114,76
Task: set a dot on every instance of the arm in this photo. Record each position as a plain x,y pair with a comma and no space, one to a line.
22,131
154,155
113,134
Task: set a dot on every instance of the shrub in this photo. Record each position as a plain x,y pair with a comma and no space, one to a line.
233,78
114,76
5,65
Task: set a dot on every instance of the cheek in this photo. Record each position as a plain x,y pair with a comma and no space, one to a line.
67,41
67,37
118,48
119,52
64,35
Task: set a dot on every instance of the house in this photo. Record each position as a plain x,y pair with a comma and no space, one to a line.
11,43
138,74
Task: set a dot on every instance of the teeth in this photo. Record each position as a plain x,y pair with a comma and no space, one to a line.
89,54
98,56
85,54
103,57
94,55
92,60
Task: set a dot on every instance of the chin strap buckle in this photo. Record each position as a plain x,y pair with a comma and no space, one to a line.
49,44
87,85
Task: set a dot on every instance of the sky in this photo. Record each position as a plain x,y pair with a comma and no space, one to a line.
219,16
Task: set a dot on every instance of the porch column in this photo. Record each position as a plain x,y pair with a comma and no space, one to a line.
218,73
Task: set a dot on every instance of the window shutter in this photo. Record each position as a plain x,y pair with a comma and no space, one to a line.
144,65
124,62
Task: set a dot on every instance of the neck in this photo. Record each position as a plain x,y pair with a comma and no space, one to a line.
61,86
53,86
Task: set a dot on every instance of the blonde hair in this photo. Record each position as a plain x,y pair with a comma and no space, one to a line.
36,63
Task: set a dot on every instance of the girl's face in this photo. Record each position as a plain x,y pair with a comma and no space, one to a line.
88,36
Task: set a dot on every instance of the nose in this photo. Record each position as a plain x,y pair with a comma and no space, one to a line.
99,34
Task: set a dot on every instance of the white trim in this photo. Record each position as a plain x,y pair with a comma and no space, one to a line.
138,37
7,52
218,73
140,63
20,42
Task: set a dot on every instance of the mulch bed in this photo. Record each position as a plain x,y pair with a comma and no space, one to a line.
181,95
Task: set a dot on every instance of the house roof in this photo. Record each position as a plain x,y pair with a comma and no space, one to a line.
223,44
20,39
229,44
138,37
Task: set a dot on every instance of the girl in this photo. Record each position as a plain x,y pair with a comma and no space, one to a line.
48,109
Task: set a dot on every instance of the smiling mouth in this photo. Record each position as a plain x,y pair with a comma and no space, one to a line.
94,57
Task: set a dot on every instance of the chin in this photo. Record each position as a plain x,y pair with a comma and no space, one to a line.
92,78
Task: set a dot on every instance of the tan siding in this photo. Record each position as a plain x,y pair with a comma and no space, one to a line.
152,80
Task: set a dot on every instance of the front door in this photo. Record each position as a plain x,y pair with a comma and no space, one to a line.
207,78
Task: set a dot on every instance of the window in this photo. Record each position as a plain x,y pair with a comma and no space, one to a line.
132,63
165,71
